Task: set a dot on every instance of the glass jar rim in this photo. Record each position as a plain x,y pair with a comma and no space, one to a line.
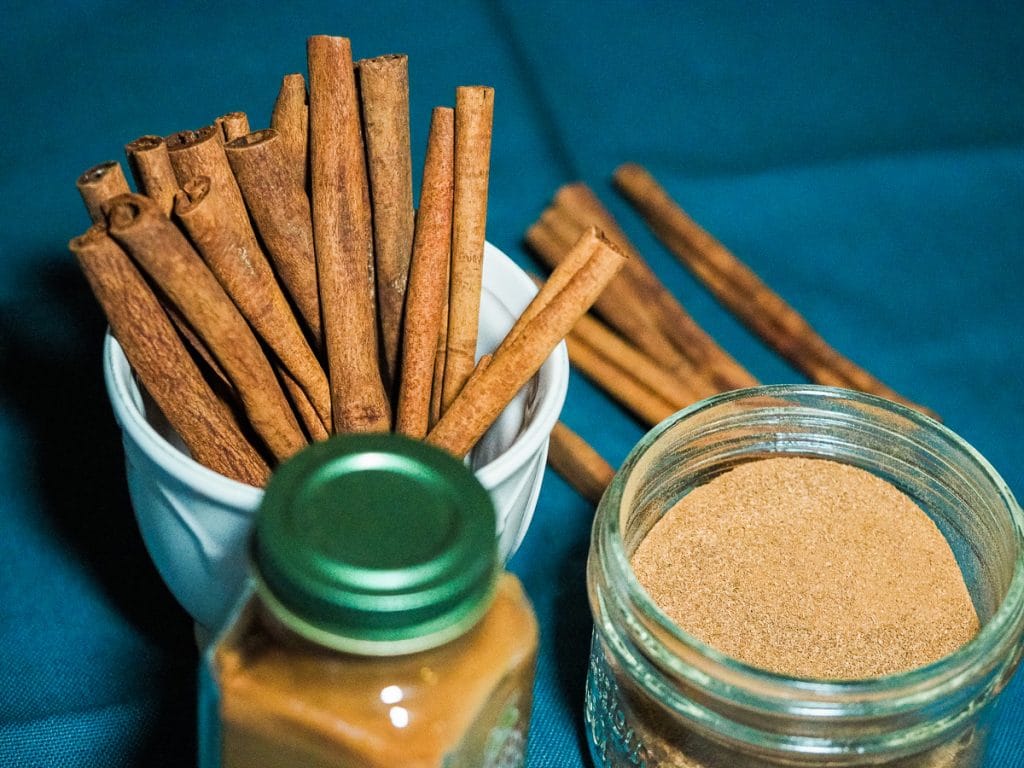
898,690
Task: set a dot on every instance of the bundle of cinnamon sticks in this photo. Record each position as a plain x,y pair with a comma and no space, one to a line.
272,287
642,347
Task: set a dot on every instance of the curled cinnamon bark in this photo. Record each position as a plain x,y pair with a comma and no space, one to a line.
277,201
150,165
232,125
201,153
100,183
290,118
165,254
161,362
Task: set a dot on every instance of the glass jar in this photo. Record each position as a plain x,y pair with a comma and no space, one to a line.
657,696
380,629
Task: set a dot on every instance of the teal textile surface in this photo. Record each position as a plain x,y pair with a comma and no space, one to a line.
866,158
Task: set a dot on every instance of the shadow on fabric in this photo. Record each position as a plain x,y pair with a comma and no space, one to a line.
52,384
573,628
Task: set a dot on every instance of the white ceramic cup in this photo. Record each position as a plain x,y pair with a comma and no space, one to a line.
195,523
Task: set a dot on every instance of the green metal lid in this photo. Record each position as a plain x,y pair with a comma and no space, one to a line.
375,544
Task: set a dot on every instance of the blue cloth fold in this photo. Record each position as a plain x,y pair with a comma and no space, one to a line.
867,159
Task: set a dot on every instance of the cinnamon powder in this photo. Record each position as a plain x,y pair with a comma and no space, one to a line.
808,568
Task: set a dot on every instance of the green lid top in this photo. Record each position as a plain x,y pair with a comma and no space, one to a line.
375,544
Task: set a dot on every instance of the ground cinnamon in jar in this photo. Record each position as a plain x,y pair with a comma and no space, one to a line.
808,568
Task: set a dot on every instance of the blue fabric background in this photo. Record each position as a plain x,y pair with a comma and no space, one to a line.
866,158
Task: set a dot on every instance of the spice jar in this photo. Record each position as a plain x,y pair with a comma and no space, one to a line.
380,629
657,696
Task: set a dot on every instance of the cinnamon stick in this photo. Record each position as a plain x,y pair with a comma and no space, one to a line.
619,383
236,260
428,278
201,153
343,238
98,185
276,198
150,165
201,354
162,251
742,292
548,289
578,463
477,406
620,308
617,305
577,203
384,93
609,345
308,417
290,118
232,125
161,362
474,114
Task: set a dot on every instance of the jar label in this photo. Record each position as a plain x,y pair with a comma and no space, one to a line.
506,743
613,740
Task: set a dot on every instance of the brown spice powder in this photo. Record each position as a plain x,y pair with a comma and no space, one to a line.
808,568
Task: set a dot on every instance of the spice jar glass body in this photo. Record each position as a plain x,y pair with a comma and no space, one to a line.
379,630
657,696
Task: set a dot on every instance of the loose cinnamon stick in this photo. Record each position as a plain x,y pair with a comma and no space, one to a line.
586,209
474,114
742,292
384,92
277,201
290,118
477,406
578,463
232,125
236,260
619,307
609,345
628,375
164,253
343,238
619,383
428,278
581,206
161,362
150,165
98,185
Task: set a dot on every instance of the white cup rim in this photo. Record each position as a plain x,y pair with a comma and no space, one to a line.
553,377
